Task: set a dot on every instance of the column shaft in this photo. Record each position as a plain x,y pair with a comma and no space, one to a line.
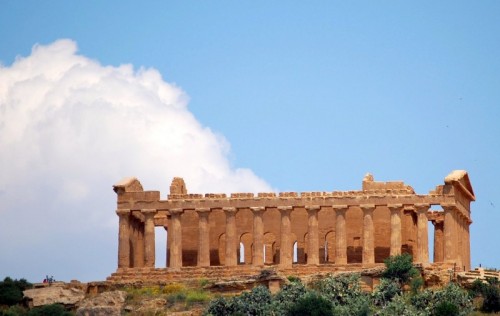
123,238
396,210
422,233
449,233
438,241
258,236
368,234
312,232
231,240
285,244
340,234
149,237
203,237
175,234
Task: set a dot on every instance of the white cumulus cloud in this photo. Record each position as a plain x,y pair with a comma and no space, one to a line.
71,127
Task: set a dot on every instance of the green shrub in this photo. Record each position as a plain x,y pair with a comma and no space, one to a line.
401,307
385,291
345,294
256,302
400,268
446,309
49,310
14,310
220,306
311,304
289,294
11,291
491,302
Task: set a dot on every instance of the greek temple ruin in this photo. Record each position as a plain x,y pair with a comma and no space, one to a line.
291,230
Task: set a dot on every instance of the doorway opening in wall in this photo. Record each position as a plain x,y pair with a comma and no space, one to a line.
295,252
160,247
242,253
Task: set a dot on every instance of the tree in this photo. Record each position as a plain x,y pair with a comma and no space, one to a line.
11,291
311,304
400,268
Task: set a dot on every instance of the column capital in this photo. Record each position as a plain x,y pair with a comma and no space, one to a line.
367,207
202,210
230,210
148,211
395,207
313,207
176,211
257,209
449,206
422,207
340,208
122,212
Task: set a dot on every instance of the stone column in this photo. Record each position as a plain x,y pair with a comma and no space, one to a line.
368,234
449,233
467,244
422,233
231,240
123,238
340,234
438,241
149,237
286,230
312,232
203,237
396,210
175,234
138,244
258,236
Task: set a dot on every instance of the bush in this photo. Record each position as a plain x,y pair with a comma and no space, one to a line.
289,294
345,294
399,306
385,291
446,309
256,302
14,310
400,268
11,291
311,304
49,310
220,307
491,295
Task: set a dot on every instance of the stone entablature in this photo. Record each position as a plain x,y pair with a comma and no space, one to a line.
366,226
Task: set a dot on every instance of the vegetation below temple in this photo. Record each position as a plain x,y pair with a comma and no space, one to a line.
400,292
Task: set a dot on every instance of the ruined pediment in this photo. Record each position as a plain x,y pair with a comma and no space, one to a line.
460,179
129,184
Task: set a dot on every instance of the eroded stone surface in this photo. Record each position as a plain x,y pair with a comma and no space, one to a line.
54,294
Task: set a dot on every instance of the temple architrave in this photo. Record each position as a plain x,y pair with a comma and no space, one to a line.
290,230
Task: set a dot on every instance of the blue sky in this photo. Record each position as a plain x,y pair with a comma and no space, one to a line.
292,96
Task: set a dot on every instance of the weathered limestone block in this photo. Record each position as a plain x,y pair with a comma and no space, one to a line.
104,304
53,295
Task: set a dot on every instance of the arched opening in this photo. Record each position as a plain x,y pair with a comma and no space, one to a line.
241,253
269,248
295,251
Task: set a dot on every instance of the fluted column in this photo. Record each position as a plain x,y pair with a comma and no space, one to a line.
312,232
286,230
340,234
203,237
449,233
138,244
231,240
422,233
396,210
175,233
438,241
123,238
149,237
368,234
258,236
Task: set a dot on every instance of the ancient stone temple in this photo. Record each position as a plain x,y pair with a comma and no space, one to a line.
291,231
